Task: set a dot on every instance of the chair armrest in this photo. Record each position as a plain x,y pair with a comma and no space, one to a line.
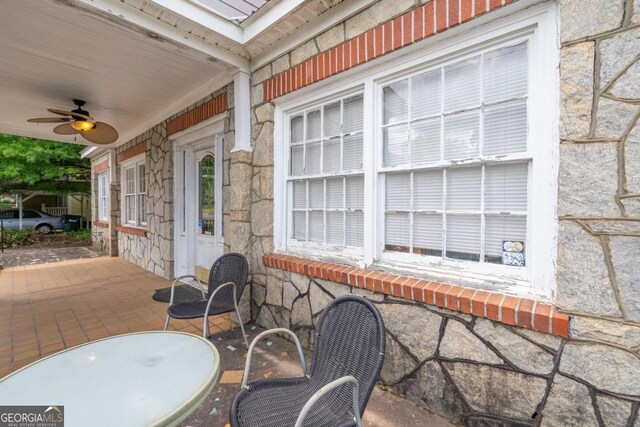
179,279
264,334
327,388
214,293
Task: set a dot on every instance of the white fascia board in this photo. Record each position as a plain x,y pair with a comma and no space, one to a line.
269,18
86,152
203,16
323,22
167,31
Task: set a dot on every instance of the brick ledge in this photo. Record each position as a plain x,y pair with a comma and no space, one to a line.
522,312
102,224
131,230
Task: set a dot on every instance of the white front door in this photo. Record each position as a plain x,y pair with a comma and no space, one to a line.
198,204
208,217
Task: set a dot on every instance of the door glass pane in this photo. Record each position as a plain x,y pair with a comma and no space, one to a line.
206,219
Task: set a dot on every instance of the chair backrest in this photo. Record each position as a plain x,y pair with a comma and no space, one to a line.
231,267
349,340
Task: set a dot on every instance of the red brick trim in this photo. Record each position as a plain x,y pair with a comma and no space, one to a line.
200,113
102,224
404,30
515,311
132,152
131,230
101,166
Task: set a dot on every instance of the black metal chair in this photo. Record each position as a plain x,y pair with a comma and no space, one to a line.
348,353
227,280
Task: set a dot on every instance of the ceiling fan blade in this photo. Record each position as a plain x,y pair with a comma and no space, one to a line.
50,120
101,134
65,129
69,113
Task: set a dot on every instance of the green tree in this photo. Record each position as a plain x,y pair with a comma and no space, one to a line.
28,164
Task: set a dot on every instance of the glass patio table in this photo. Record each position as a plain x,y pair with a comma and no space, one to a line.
139,379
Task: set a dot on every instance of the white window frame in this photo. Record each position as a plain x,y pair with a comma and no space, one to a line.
103,196
309,248
538,25
135,163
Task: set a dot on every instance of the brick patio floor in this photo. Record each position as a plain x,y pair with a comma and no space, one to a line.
45,308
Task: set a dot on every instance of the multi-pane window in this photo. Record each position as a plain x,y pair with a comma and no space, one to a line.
326,178
103,196
456,174
455,162
134,193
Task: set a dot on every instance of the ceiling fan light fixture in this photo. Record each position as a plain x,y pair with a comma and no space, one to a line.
82,125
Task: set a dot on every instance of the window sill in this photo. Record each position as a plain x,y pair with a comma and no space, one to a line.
132,230
522,312
102,224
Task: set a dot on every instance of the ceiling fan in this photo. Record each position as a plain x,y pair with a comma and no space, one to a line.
78,121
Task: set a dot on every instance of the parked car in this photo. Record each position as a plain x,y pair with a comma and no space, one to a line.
31,218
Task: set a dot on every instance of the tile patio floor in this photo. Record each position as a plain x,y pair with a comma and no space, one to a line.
45,308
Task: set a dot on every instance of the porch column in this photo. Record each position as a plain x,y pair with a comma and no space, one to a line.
242,113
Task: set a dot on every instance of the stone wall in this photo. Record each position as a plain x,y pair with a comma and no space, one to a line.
469,369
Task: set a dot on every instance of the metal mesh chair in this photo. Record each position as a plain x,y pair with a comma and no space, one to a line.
227,280
347,358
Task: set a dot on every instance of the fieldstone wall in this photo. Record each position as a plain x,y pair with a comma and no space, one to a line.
471,370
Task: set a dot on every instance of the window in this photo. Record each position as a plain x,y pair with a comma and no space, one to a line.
134,193
472,111
207,181
452,172
10,214
103,197
326,181
30,214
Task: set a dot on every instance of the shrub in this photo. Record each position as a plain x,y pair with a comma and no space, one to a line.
80,234
15,238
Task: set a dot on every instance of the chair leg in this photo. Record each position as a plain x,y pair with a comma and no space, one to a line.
205,328
244,335
166,323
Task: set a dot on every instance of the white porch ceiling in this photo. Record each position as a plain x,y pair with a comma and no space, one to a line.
53,51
